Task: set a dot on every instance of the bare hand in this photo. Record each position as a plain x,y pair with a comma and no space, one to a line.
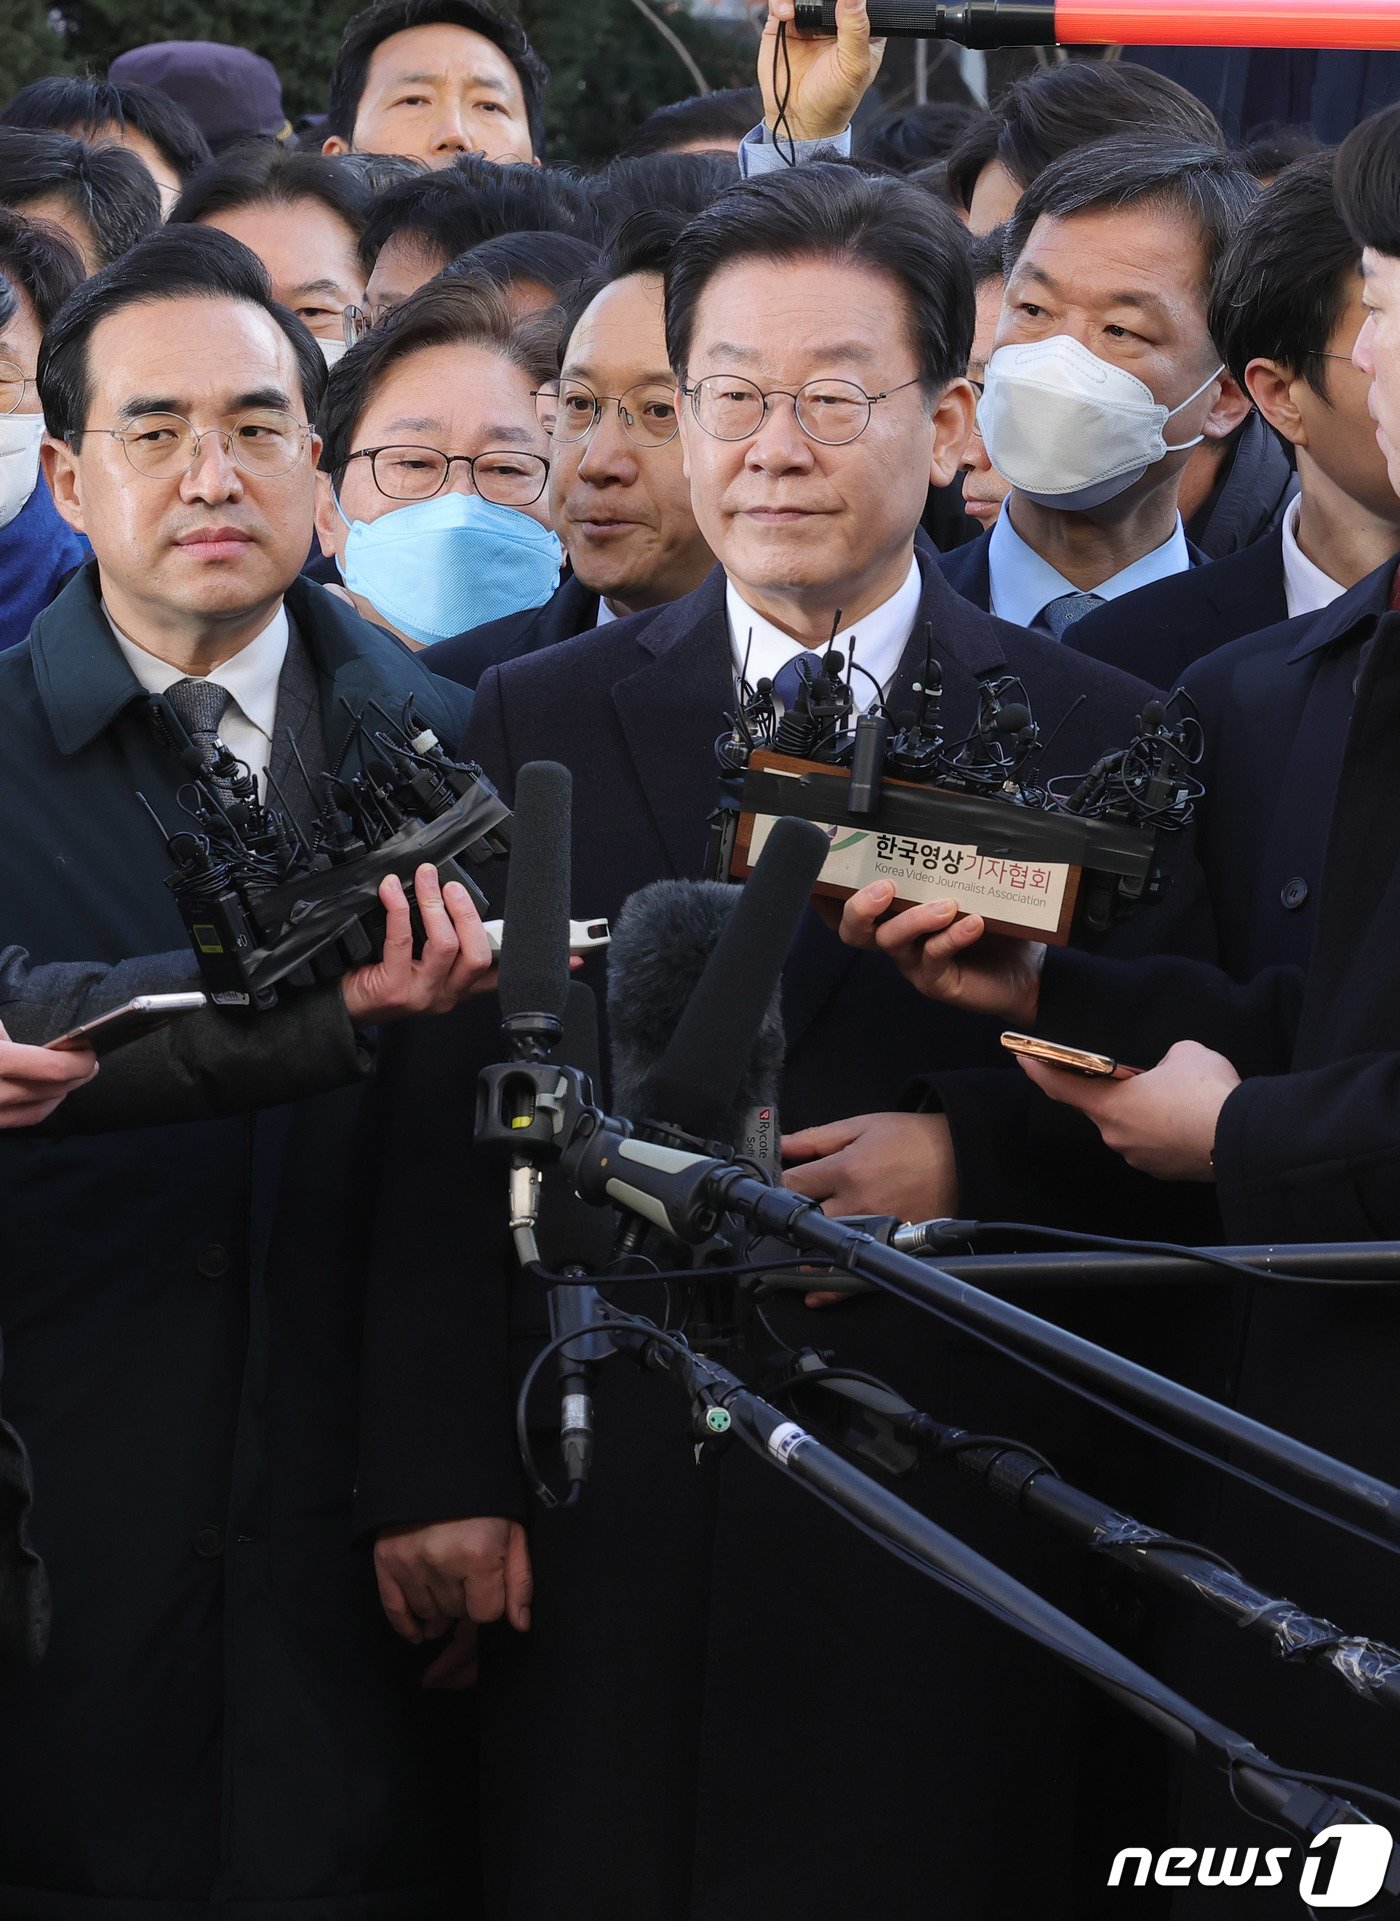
455,962
947,959
1162,1122
35,1080
900,1164
431,1577
831,73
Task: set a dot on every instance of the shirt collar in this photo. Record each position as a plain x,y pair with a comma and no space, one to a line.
251,676
880,638
1024,583
1307,589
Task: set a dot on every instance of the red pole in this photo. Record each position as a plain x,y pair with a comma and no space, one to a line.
1364,24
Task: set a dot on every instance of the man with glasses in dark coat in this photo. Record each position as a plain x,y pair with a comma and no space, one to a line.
221,1718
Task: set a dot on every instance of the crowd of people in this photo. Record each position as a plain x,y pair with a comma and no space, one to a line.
389,409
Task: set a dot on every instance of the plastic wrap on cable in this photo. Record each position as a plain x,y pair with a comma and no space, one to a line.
270,901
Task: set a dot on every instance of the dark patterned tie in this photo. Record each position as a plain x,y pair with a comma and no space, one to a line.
199,707
1066,610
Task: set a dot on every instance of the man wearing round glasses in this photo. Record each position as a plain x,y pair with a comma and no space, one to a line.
432,491
819,326
182,1326
617,486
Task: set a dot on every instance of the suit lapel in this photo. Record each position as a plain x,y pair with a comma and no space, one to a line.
671,711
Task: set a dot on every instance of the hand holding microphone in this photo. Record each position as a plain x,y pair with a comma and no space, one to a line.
949,959
455,960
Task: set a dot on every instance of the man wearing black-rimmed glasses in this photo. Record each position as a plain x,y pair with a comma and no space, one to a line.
221,1719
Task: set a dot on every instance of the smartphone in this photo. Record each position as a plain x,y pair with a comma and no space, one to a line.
1077,1059
140,1016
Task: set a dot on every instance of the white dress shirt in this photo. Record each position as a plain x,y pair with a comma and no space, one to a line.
1024,583
605,613
880,639
251,677
1306,588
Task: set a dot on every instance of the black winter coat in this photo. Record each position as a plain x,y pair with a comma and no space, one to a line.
222,1717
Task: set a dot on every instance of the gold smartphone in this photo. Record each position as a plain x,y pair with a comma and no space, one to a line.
140,1016
1077,1059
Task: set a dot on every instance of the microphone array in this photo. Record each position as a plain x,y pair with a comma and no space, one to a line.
272,902
905,798
672,1179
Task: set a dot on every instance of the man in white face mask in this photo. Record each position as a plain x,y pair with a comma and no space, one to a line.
39,268
1104,377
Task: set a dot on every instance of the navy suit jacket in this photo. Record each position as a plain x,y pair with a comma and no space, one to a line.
1158,631
571,609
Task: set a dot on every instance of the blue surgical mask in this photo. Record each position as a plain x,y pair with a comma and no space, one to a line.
441,566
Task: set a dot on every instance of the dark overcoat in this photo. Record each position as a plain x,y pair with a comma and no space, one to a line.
223,1719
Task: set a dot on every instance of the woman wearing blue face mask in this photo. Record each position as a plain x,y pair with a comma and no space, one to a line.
434,466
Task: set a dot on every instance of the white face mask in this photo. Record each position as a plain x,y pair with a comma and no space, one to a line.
1069,430
331,350
20,435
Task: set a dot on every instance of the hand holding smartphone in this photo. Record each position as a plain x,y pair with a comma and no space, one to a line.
140,1016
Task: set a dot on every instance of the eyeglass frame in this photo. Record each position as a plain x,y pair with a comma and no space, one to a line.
348,325
786,393
599,400
371,454
25,382
304,428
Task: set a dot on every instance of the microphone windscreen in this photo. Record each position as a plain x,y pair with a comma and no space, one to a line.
698,1080
1013,718
535,938
661,943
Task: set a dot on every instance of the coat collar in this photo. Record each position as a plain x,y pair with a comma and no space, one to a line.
84,683
1353,615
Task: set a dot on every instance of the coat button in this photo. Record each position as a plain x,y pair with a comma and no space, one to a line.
1295,892
208,1544
212,1263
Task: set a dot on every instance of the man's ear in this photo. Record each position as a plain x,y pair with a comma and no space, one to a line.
61,472
953,420
333,144
330,528
1271,390
1229,410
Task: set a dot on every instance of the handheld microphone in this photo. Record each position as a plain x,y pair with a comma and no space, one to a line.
1364,25
534,980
